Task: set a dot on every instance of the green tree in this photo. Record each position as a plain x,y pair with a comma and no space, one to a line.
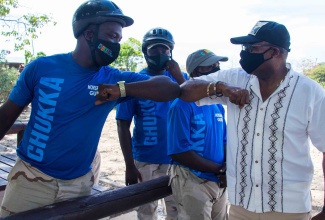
3,54
318,74
23,28
130,55
8,78
29,56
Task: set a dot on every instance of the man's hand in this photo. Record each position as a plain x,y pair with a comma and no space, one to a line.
107,92
236,95
222,176
132,176
174,69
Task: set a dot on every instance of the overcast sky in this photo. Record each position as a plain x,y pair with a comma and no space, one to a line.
197,24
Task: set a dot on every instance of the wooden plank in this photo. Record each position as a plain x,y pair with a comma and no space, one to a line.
100,188
93,191
5,167
10,156
17,127
7,161
4,171
3,174
103,204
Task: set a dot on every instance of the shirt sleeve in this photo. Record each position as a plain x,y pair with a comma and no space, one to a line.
233,77
23,91
126,110
210,100
316,127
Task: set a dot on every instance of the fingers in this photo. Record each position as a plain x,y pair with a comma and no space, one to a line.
98,102
140,177
171,64
241,100
239,96
129,182
105,94
223,169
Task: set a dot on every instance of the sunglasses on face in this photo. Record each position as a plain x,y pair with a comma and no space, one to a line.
251,47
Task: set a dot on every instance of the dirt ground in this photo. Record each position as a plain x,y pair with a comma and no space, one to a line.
112,166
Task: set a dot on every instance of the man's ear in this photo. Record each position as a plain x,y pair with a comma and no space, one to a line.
193,74
276,52
89,35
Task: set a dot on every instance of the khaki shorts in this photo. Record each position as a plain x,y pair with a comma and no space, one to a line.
148,211
95,167
197,199
29,188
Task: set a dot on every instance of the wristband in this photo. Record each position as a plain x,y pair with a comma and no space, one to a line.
122,88
208,89
215,89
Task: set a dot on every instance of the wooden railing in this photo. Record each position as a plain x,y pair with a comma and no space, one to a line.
18,128
101,205
107,203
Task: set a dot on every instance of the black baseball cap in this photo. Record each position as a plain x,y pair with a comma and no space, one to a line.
269,31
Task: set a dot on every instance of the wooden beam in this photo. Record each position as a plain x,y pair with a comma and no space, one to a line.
101,205
17,127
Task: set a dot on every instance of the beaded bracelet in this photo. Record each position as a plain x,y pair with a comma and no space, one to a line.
208,89
215,90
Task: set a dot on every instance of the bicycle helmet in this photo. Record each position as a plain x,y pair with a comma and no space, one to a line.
97,12
157,35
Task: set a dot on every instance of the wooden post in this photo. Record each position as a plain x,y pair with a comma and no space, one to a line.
101,205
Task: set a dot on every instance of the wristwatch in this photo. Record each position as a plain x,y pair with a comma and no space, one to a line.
121,85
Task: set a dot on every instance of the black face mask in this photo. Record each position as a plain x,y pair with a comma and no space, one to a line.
107,51
217,68
251,61
157,62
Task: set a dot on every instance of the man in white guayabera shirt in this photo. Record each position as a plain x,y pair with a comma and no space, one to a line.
272,113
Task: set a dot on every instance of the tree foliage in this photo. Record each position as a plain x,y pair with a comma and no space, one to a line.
20,29
29,56
306,65
130,55
318,74
8,78
23,28
3,54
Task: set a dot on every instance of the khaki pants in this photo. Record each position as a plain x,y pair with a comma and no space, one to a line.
95,167
29,188
239,213
148,211
197,199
